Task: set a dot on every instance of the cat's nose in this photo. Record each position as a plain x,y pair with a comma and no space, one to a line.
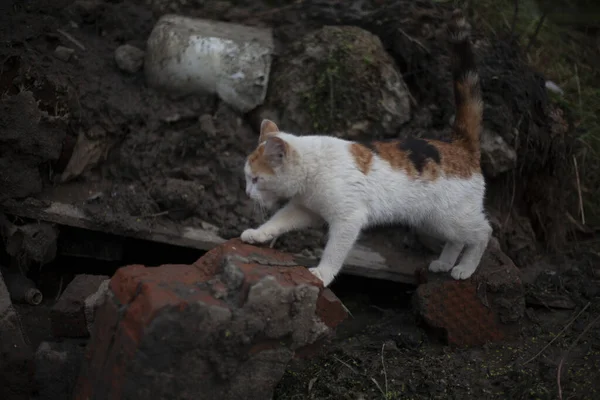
248,192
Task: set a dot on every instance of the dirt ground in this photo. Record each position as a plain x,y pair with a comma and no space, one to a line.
161,157
383,352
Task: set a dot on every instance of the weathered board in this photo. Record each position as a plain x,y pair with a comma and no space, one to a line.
362,261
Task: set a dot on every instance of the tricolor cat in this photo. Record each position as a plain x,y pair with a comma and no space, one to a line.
434,186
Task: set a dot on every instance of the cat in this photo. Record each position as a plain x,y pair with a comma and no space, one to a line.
434,186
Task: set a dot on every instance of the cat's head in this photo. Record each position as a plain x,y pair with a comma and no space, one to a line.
272,169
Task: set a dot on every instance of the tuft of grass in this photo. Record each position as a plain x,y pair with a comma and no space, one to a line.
331,96
564,49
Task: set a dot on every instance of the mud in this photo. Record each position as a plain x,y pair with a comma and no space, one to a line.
34,138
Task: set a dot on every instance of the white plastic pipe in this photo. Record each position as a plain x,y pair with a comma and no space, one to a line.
189,55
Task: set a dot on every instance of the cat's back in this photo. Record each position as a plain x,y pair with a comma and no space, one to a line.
411,161
421,160
324,152
415,176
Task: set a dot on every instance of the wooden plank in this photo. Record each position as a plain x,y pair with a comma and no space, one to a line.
362,261
367,262
67,214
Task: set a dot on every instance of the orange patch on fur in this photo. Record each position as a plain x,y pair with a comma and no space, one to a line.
363,157
455,160
397,158
258,162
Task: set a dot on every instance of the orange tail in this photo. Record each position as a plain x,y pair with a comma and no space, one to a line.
467,89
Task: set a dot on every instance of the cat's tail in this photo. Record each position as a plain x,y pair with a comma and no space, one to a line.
467,90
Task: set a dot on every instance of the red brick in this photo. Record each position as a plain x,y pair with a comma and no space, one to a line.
478,310
230,310
330,310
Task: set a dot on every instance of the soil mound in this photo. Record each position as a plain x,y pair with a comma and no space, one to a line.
180,158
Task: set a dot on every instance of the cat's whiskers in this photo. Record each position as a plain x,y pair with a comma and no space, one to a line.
259,209
263,212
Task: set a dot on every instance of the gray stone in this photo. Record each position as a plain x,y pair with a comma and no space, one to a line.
15,353
63,53
129,58
497,156
338,80
57,367
5,302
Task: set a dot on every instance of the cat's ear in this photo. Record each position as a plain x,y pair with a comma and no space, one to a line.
267,129
276,149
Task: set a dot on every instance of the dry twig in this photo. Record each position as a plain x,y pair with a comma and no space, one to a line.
562,360
579,191
71,39
412,39
559,333
537,31
59,291
357,373
578,82
384,371
346,365
154,215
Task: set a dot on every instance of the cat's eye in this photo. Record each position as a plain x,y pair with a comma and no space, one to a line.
255,179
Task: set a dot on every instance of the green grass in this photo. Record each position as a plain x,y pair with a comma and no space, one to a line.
565,55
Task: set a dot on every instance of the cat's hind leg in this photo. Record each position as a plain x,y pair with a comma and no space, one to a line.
447,258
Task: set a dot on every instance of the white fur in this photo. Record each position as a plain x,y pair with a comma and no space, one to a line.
324,185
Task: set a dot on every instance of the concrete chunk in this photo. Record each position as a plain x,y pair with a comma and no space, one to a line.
68,316
189,55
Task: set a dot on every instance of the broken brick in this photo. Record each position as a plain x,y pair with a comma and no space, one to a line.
226,325
479,310
68,315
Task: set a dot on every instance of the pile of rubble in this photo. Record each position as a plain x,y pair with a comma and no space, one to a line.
227,324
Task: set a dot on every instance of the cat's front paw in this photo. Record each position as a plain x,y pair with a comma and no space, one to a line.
253,236
439,266
462,271
325,278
